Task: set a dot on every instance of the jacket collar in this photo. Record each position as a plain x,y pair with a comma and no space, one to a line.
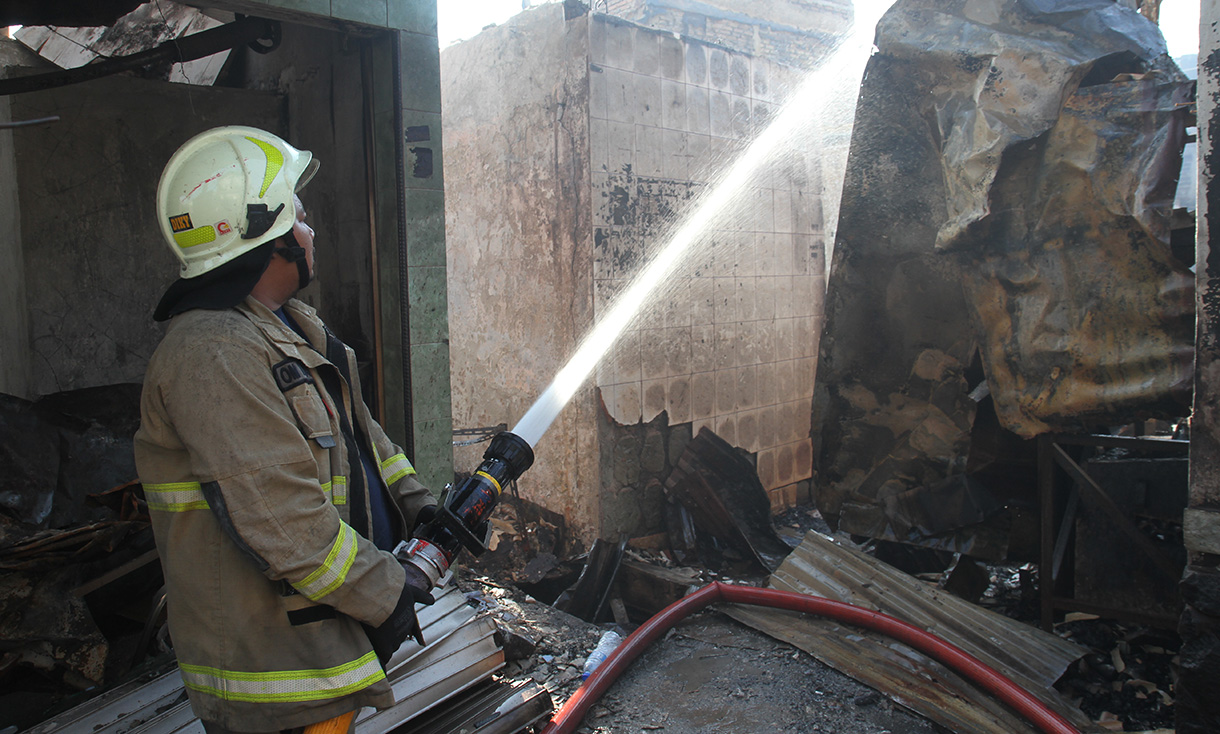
285,339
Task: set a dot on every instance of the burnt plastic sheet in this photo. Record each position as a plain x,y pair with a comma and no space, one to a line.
719,488
1005,205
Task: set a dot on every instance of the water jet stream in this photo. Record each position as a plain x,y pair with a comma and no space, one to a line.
807,103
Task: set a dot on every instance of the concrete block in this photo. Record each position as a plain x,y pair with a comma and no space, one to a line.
675,159
726,428
421,66
702,396
747,309
597,40
785,465
702,348
766,384
739,108
626,460
429,304
768,435
725,355
619,45
785,298
620,95
430,390
673,105
627,356
718,68
702,298
785,384
765,351
762,79
417,17
805,368
368,12
803,456
783,210
425,166
672,58
696,64
598,94
739,75
785,256
747,387
720,114
767,262
701,167
646,53
677,351
676,300
764,299
620,153
648,151
652,354
1201,530
647,100
654,399
699,424
724,304
764,209
747,430
628,405
678,400
425,227
766,468
785,342
726,391
434,453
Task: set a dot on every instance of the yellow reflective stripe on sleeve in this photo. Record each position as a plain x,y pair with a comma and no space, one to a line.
394,468
333,571
196,236
175,497
336,489
283,685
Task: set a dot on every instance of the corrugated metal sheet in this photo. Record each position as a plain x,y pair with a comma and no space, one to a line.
1030,657
461,651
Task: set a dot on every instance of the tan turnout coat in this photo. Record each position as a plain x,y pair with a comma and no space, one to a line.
255,508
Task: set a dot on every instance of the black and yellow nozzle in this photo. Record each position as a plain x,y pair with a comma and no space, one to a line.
462,519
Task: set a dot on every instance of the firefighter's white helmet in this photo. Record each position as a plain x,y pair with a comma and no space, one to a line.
227,191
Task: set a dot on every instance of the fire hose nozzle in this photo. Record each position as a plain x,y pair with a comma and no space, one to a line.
462,516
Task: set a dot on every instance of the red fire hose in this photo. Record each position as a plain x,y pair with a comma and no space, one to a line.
570,716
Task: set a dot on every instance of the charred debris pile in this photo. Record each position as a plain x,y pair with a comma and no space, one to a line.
82,609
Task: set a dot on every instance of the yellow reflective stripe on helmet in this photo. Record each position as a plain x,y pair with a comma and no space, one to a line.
283,685
197,236
275,161
175,497
336,489
396,467
333,571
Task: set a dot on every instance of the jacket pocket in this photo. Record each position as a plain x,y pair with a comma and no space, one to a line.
312,416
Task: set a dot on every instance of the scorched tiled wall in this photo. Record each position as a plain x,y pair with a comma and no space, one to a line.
732,344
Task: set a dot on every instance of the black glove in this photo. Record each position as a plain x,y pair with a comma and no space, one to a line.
402,622
426,514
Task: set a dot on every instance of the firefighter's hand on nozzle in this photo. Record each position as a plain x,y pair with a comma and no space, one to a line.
402,623
417,584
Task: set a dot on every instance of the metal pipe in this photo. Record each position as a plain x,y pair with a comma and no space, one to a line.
962,662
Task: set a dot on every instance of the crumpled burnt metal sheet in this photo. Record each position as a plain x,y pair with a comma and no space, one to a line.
1006,205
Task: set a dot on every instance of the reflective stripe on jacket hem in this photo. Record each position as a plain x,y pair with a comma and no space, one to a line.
333,571
394,468
284,685
175,497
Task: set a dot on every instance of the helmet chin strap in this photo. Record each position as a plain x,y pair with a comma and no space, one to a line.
294,253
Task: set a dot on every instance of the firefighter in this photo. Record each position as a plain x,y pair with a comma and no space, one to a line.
275,497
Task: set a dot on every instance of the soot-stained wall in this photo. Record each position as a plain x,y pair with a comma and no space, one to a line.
573,146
